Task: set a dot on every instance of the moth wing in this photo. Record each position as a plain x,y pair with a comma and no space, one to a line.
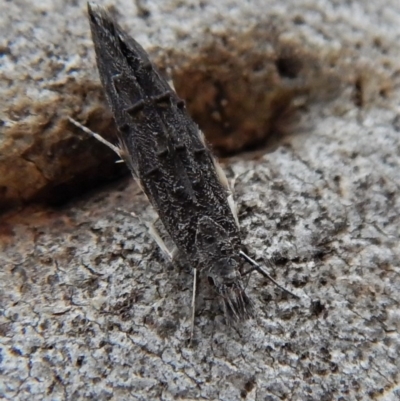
160,142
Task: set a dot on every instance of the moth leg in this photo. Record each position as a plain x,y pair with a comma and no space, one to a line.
116,149
193,305
233,181
154,233
174,252
156,236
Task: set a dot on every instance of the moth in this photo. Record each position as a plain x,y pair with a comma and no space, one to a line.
168,157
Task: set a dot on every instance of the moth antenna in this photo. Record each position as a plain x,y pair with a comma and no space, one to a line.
98,137
260,270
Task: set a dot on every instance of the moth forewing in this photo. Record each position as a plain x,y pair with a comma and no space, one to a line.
168,156
164,148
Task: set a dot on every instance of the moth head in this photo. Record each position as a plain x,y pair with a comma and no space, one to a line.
221,263
235,303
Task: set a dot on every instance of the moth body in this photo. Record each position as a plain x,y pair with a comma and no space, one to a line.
168,157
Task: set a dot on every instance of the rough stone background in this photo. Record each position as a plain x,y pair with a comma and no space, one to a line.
89,308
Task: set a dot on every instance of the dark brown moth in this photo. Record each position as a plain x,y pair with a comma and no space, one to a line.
168,157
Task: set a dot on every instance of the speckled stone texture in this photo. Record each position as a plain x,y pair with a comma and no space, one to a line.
244,69
91,310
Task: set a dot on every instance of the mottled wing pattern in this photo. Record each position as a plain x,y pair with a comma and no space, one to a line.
162,145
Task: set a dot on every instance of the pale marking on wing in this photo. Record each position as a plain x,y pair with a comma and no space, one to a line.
171,84
232,206
225,183
221,175
202,138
